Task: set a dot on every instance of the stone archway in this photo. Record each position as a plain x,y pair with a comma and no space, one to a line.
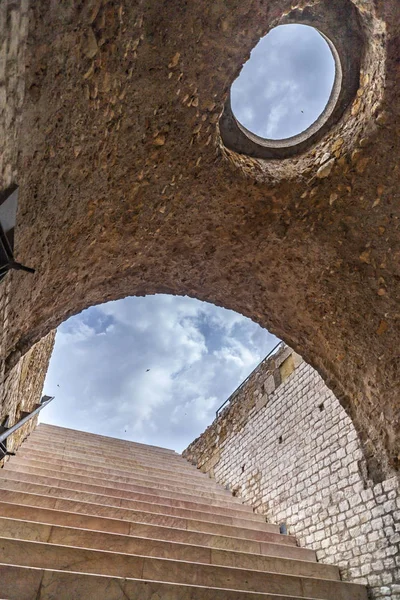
126,189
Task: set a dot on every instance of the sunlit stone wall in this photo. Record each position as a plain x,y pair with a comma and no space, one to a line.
287,447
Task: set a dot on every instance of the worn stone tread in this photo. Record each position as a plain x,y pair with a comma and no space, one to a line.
45,584
59,557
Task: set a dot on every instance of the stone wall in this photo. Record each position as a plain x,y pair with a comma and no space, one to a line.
23,386
286,446
14,20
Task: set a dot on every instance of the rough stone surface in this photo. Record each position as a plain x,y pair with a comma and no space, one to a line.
295,457
20,386
23,386
125,188
13,34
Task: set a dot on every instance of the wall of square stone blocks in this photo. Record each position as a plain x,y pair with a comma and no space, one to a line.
286,446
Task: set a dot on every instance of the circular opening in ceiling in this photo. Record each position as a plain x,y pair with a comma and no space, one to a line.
288,86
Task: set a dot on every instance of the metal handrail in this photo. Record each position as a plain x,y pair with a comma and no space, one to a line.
248,377
7,431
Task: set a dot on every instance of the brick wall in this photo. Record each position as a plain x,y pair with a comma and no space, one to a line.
287,447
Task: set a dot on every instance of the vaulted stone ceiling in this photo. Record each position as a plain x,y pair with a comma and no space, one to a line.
127,189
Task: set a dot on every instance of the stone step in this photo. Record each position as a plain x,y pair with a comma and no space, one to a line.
105,471
144,476
103,487
103,495
175,469
177,465
103,447
53,431
53,498
109,474
140,490
56,430
58,557
194,491
152,532
24,583
109,452
82,538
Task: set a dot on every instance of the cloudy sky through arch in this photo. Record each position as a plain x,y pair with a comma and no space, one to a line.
151,369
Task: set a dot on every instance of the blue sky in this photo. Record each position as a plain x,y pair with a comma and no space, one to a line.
155,369
286,84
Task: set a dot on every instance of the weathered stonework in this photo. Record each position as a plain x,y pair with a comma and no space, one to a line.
23,386
13,36
285,445
126,189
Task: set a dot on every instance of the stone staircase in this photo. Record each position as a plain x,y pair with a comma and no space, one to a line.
84,516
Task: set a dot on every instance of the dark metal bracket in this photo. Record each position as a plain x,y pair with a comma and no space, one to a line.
7,226
7,261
